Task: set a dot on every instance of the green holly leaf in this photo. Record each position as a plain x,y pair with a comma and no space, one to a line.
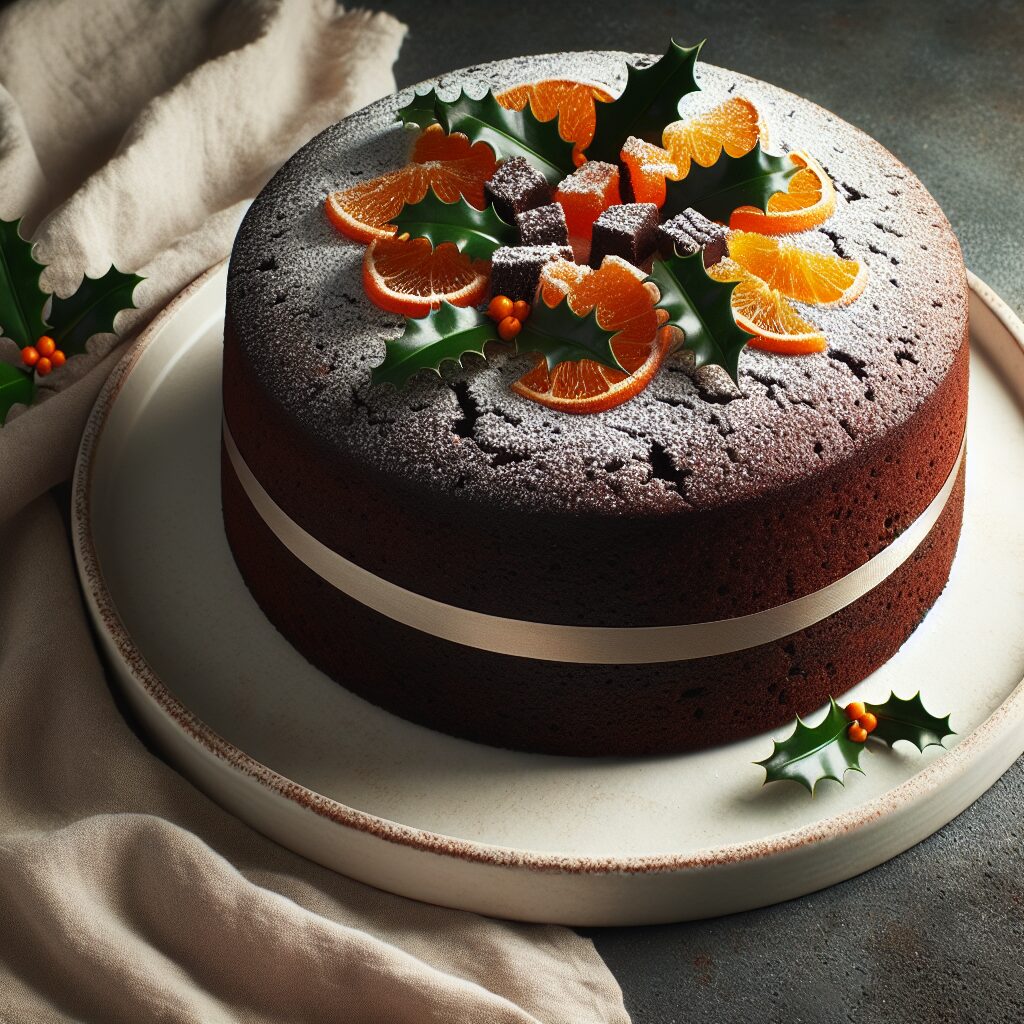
476,232
448,332
509,133
701,308
813,753
731,181
91,310
21,298
561,336
419,112
900,719
648,103
16,385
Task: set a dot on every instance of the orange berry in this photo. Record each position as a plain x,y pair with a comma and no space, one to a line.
509,328
857,733
46,345
500,308
520,309
44,366
58,359
30,355
868,721
854,710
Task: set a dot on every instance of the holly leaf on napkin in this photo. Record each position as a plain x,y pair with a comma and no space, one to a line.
560,336
91,310
649,102
509,132
21,298
16,385
900,719
701,308
813,753
730,182
476,232
446,333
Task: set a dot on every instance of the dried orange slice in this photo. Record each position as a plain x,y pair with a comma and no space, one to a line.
767,313
449,164
809,201
624,304
733,126
571,102
822,280
410,276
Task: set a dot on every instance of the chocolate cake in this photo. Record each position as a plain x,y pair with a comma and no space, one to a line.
694,502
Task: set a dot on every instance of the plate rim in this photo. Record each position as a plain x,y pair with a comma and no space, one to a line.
902,798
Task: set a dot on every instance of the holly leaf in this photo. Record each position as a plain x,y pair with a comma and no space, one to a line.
813,753
560,336
91,310
16,385
701,308
509,132
419,112
476,232
21,298
448,332
731,181
649,102
900,719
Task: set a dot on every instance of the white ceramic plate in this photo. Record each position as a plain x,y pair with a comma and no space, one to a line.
539,838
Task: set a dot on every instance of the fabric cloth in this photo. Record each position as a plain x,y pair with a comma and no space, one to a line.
132,132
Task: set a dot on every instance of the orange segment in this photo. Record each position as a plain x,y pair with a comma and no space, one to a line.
624,304
571,102
733,126
409,276
588,191
447,163
821,280
809,201
767,313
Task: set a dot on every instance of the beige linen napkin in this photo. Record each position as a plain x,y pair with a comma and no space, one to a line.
132,132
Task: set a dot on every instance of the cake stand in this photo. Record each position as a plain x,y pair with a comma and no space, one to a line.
576,841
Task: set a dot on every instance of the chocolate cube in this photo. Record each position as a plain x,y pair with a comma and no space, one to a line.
516,186
515,270
629,230
544,225
689,232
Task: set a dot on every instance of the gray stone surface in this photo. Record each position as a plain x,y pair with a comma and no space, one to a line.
937,934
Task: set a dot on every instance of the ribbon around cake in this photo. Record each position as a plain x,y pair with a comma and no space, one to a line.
591,645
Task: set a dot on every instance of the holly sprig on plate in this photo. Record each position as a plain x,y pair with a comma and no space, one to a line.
46,328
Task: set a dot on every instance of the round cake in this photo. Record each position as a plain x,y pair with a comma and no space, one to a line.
698,564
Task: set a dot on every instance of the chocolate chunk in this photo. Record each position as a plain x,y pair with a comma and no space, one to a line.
544,225
516,186
515,270
628,230
689,232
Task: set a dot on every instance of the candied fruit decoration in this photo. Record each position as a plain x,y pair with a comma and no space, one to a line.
629,231
515,270
544,225
516,186
689,232
585,193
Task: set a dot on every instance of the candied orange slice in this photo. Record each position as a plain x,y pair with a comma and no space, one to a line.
623,304
821,280
410,276
571,102
809,201
449,164
767,313
586,193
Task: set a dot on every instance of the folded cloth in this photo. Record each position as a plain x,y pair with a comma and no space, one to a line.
132,132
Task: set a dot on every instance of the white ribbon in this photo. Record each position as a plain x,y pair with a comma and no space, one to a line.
591,645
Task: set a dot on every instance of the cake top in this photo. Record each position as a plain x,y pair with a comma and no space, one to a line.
690,439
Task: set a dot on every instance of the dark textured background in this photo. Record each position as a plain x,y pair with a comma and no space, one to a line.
937,934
